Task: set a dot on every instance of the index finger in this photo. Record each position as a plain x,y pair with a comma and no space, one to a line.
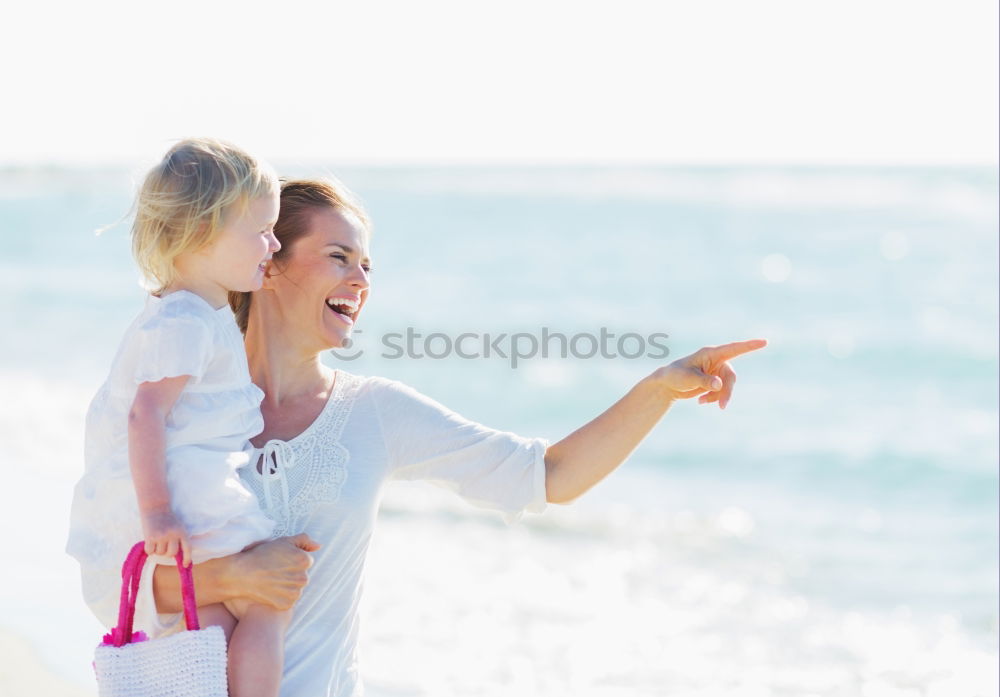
737,348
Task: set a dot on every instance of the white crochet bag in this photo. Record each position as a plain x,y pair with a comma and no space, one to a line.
186,664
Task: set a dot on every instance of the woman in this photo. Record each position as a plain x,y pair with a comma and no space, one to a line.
332,440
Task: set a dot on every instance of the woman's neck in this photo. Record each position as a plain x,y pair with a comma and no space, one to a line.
283,370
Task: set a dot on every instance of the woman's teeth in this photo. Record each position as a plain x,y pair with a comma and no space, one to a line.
348,304
344,307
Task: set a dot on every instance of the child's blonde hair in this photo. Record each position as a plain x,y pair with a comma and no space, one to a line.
183,200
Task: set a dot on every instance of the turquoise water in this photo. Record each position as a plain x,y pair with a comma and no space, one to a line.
847,499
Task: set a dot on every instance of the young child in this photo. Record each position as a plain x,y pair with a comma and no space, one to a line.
171,425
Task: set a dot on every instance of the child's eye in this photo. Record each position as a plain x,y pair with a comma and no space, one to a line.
338,255
367,269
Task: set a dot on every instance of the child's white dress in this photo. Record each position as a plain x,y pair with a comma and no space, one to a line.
207,435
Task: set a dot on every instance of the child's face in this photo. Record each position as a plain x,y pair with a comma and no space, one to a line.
244,245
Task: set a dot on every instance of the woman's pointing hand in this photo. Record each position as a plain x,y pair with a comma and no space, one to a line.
706,372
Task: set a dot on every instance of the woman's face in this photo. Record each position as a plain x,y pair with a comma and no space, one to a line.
321,284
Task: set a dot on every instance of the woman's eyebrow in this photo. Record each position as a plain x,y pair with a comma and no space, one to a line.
349,250
346,248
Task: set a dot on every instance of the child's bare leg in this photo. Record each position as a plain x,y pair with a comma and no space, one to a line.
257,650
217,614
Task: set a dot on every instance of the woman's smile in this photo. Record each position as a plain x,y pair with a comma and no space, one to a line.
345,308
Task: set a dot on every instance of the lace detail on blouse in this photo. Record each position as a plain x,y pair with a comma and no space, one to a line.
309,470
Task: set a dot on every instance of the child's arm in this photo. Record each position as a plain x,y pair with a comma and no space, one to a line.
147,420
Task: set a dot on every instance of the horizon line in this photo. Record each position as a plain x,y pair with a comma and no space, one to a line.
73,164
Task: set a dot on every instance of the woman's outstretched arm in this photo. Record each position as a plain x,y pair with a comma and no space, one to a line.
271,573
586,456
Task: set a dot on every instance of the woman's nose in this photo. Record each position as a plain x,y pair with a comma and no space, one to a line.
359,277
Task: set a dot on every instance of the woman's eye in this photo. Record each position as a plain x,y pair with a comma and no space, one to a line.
367,269
337,255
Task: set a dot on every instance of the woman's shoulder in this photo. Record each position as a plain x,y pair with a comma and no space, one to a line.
394,399
376,386
390,398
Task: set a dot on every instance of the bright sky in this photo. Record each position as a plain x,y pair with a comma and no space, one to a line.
759,81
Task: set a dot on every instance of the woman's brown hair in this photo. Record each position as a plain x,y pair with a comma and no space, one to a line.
300,198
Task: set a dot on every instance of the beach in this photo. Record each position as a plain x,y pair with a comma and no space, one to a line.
24,673
833,533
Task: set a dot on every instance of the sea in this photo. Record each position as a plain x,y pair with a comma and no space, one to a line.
832,533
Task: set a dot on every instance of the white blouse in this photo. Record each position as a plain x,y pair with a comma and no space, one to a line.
328,482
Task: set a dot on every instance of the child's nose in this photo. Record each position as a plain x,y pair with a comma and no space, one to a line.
274,244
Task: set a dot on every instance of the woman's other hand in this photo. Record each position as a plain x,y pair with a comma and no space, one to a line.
274,572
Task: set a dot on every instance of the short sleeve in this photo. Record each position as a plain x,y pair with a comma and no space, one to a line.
488,468
172,344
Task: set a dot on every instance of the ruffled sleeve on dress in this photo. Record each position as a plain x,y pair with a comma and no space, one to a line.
172,343
488,468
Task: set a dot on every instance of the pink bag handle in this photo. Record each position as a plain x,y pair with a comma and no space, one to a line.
131,572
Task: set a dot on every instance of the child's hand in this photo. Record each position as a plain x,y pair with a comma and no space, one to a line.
164,535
